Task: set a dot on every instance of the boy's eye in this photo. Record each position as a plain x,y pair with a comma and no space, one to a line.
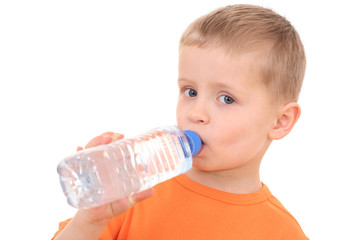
226,99
190,92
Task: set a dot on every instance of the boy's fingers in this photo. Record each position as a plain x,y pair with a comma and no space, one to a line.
122,205
117,136
137,197
79,149
104,138
98,141
131,201
106,134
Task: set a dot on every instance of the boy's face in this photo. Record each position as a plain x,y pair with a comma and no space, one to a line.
223,99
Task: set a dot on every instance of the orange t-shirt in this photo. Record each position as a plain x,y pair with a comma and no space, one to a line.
184,209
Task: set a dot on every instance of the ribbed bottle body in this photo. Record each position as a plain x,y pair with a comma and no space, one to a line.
102,174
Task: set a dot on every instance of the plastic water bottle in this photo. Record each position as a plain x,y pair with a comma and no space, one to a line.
104,173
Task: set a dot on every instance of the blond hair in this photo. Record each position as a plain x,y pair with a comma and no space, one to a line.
243,28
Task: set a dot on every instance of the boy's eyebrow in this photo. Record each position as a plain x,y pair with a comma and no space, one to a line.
183,80
236,89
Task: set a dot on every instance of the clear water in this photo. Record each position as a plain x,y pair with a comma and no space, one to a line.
105,173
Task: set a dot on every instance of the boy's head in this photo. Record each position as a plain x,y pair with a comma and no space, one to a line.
239,29
240,73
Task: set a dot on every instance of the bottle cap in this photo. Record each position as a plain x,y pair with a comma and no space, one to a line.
194,141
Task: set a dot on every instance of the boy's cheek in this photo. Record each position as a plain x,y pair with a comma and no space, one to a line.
179,114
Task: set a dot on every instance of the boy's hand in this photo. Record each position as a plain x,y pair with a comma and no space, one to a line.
89,223
108,211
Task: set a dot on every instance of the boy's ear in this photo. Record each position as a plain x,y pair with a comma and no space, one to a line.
286,119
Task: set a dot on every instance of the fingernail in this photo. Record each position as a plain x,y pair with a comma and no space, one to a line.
116,136
131,200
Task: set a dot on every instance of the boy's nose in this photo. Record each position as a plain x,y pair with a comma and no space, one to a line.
199,114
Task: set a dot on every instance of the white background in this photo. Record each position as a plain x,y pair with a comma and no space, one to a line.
70,70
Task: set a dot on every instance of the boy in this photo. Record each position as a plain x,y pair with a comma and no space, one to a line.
240,72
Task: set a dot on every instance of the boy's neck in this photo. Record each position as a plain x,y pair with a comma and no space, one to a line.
240,183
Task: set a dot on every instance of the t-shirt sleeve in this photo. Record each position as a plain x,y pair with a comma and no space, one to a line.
62,225
110,232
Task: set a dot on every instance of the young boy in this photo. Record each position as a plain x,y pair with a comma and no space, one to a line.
240,72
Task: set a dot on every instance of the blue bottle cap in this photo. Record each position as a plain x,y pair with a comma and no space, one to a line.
194,141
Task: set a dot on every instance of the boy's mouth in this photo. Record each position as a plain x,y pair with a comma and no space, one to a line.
202,144
202,147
